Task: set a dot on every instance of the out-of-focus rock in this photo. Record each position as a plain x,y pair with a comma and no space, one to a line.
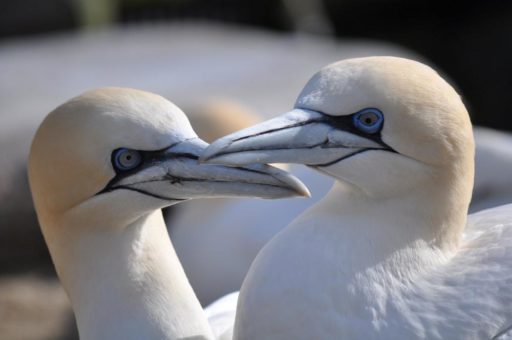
34,308
214,118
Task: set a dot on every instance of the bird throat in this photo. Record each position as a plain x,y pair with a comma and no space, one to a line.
128,283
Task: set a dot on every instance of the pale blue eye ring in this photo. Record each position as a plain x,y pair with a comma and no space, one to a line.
368,120
126,159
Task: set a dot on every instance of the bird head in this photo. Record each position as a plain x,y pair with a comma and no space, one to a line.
382,124
115,154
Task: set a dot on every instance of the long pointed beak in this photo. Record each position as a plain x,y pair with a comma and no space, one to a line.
299,136
176,174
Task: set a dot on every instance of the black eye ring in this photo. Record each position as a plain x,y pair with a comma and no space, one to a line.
126,159
368,120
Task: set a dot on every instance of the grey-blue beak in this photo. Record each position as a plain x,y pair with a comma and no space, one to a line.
175,174
299,136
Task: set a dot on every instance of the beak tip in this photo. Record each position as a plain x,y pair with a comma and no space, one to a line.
303,191
294,184
306,194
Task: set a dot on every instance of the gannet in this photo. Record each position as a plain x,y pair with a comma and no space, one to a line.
100,168
388,252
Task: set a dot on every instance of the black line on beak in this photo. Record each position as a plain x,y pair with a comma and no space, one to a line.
348,156
149,158
319,120
344,123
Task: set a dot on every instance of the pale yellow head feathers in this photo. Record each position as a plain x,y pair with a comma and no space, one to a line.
113,155
70,155
389,130
418,133
425,118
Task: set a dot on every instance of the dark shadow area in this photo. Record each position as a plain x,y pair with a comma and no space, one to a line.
24,250
470,41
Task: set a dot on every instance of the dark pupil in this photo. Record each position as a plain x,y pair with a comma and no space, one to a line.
369,119
126,159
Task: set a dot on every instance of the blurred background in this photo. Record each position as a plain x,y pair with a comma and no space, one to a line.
228,64
469,40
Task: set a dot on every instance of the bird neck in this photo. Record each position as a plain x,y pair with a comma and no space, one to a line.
406,234
127,283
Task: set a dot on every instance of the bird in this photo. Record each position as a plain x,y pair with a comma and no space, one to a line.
101,167
389,252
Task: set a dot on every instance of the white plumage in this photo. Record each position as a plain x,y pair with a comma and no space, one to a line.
217,256
386,254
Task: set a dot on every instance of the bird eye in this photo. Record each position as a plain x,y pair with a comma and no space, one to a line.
126,159
368,120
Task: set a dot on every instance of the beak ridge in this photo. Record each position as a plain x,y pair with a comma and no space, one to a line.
299,136
176,174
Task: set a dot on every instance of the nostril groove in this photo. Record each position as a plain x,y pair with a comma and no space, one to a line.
172,178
